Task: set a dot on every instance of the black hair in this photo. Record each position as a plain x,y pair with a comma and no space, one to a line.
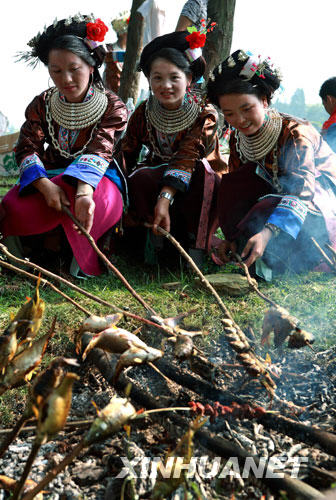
236,86
194,69
328,88
69,36
172,47
228,79
77,46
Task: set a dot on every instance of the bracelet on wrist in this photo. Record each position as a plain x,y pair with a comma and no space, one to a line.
168,196
275,230
79,195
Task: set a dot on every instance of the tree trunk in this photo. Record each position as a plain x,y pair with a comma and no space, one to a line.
218,43
129,80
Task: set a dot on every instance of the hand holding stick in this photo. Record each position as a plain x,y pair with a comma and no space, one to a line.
106,261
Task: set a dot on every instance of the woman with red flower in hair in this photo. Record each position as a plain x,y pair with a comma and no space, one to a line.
175,186
65,150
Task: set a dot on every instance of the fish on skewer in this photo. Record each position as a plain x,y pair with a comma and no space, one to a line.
119,341
96,324
32,311
8,345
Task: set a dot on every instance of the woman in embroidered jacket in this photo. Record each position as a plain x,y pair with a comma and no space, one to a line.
281,185
65,148
180,135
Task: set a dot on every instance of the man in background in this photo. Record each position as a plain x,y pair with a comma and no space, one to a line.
328,96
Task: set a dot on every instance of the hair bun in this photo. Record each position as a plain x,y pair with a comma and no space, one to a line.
176,40
244,65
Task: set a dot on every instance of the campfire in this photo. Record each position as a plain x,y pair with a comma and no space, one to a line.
245,419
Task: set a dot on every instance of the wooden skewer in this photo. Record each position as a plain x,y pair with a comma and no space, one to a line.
45,282
324,255
107,261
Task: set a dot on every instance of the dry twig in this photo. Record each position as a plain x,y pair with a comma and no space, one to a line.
251,282
107,261
168,331
45,282
327,260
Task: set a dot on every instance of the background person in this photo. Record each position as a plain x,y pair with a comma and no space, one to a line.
328,96
114,58
281,185
65,148
191,14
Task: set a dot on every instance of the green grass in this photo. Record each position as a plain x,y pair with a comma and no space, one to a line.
309,297
5,183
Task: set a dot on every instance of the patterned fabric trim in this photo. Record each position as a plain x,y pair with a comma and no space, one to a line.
166,142
94,161
181,175
294,204
31,169
30,161
289,215
67,138
29,176
87,168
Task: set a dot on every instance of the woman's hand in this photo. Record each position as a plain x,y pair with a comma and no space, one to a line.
256,245
161,215
84,206
161,210
224,251
54,195
84,211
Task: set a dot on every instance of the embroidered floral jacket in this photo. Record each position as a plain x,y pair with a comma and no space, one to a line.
183,149
37,157
304,160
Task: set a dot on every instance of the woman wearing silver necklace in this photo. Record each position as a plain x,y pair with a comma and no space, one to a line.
281,187
175,185
65,150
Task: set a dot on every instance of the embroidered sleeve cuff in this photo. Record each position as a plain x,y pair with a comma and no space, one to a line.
289,215
87,168
31,169
178,179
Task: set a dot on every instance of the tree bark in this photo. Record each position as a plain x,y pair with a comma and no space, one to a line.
218,43
129,80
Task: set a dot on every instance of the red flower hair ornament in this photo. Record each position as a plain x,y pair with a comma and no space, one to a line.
197,39
95,32
87,28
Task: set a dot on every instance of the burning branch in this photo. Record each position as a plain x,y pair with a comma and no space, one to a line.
240,342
